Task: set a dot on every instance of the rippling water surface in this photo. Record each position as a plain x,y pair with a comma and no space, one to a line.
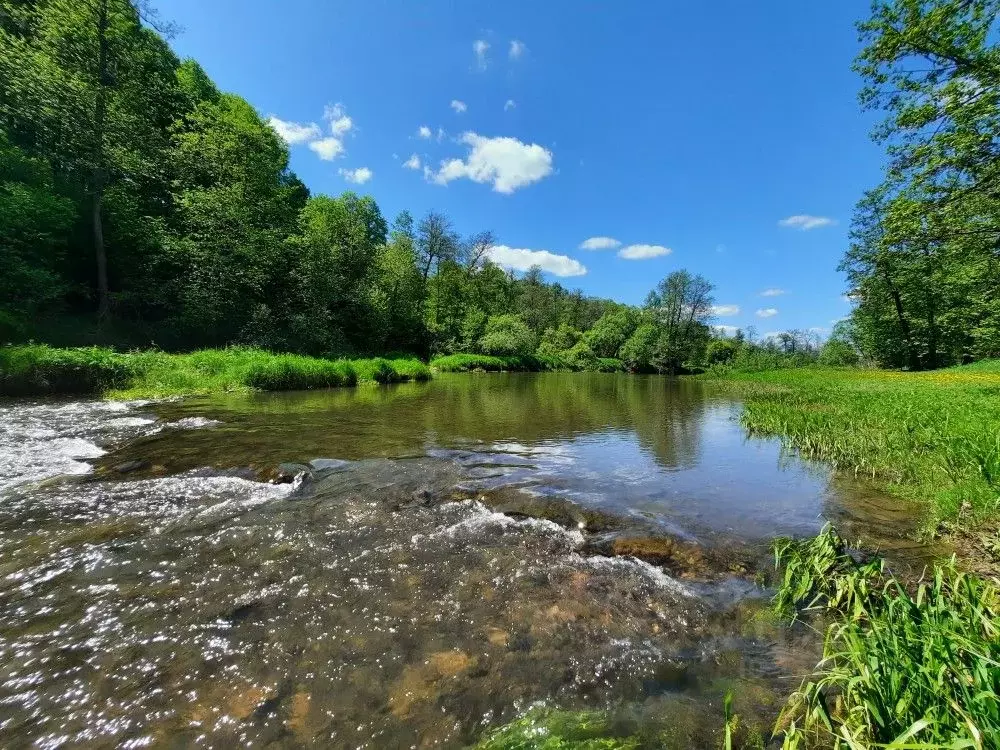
395,567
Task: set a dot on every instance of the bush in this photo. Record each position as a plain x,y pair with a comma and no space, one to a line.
721,351
557,340
837,353
507,336
36,370
580,357
637,352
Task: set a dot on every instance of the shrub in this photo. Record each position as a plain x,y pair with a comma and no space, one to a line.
580,357
637,352
507,335
837,353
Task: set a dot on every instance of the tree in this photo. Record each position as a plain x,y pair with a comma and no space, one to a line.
437,241
611,331
680,306
507,335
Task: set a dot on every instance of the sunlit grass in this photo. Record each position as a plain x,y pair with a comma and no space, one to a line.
901,668
39,370
933,437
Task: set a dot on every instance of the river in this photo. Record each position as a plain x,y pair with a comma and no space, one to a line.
401,566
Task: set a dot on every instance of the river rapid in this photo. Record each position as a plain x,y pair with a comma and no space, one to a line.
399,567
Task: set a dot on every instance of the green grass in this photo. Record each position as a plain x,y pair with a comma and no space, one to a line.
932,437
531,363
901,668
40,370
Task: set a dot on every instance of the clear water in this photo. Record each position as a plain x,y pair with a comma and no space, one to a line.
159,587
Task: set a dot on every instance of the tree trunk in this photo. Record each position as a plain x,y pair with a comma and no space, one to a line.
904,324
99,176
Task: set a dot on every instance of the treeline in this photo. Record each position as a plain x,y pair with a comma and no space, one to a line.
924,263
133,190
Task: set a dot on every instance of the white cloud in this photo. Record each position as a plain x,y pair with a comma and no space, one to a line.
643,252
294,133
819,330
440,135
772,292
358,176
327,149
806,222
509,104
517,48
726,330
520,259
505,162
767,312
480,47
339,121
413,162
458,106
725,310
423,132
599,243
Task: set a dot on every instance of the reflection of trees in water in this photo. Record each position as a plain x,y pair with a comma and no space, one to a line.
665,414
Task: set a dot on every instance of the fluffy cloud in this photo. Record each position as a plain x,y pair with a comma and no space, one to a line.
358,176
506,163
599,243
458,106
643,252
480,47
294,133
413,162
509,104
327,149
520,259
424,132
517,48
339,122
805,222
725,310
772,292
767,312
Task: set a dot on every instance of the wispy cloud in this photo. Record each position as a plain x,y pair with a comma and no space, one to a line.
327,149
599,243
774,292
725,311
509,104
294,133
412,163
358,176
805,222
340,122
480,47
767,312
643,252
504,162
458,106
516,50
521,259
424,132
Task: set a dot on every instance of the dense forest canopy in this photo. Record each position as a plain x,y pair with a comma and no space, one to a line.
135,193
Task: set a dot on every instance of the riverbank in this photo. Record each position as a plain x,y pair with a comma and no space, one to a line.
929,437
36,370
528,363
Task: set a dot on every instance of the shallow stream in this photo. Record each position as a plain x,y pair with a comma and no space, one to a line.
398,567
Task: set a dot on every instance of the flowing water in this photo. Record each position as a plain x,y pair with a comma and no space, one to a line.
398,567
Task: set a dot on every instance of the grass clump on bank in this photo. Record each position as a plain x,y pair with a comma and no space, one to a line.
930,436
42,370
914,669
525,363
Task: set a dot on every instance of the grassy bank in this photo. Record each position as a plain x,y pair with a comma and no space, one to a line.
40,370
906,667
530,363
932,437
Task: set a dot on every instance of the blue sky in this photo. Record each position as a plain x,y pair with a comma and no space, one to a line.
693,127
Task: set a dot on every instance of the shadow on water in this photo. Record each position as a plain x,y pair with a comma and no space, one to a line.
479,544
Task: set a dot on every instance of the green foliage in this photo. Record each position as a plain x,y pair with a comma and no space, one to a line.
580,356
487,363
901,668
38,369
637,351
507,335
547,729
927,436
556,340
836,353
721,351
611,331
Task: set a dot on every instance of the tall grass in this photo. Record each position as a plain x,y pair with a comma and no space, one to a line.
38,370
901,668
933,437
